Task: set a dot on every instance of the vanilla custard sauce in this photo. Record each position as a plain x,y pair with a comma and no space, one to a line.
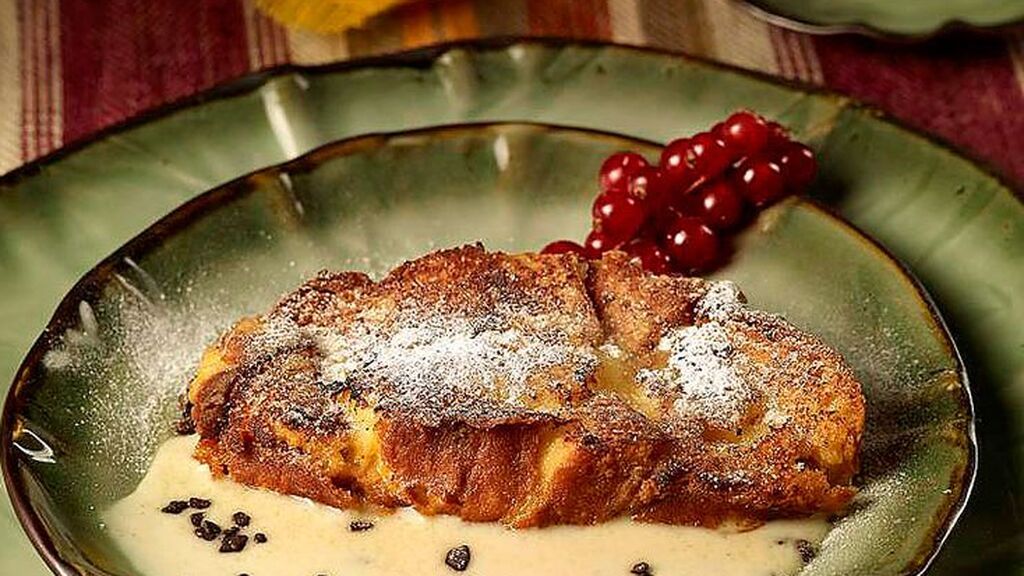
308,539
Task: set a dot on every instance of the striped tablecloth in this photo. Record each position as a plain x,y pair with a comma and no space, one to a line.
70,68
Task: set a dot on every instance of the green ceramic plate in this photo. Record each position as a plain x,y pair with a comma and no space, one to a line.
100,386
904,18
958,228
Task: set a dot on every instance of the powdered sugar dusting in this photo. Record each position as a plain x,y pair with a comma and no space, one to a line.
482,358
442,367
278,334
705,378
439,369
722,301
700,376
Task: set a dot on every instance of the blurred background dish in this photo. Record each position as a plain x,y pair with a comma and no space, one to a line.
905,19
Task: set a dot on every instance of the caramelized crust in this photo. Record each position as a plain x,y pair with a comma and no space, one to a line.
531,390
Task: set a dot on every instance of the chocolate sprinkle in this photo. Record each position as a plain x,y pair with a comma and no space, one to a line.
198,503
185,425
458,558
260,538
234,543
175,507
807,550
240,519
208,530
360,525
196,518
231,531
641,569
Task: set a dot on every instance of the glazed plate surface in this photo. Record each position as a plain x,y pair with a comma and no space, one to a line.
98,392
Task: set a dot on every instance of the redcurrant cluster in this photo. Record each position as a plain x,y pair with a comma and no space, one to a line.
675,216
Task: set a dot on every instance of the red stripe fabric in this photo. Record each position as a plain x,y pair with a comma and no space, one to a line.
575,19
27,88
257,34
783,59
42,77
963,89
271,43
121,57
49,62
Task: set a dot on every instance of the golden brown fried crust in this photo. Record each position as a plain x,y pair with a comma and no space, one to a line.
585,443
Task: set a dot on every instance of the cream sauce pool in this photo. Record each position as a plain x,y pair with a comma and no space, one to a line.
309,539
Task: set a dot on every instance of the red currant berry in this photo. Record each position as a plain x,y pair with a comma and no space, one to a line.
563,247
777,135
760,181
618,215
707,155
657,223
744,133
798,165
596,244
648,186
617,168
677,174
719,205
650,256
685,204
691,244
